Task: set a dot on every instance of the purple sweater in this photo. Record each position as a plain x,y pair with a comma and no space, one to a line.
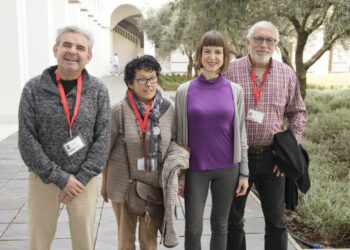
210,113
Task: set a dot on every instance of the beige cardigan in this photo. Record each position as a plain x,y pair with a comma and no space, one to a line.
117,171
177,159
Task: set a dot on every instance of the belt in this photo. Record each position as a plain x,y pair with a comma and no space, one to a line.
259,150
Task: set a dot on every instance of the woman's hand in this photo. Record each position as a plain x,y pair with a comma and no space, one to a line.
242,186
181,191
104,192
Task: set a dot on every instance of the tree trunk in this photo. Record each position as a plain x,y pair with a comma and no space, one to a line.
299,63
189,67
302,82
330,61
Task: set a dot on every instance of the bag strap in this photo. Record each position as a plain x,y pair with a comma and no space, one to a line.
121,118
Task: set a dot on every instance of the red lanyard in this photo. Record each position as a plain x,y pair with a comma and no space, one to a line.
64,99
142,123
257,91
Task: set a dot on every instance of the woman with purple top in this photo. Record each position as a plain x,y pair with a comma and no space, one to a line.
210,120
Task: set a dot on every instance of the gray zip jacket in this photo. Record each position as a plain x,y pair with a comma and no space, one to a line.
239,130
43,129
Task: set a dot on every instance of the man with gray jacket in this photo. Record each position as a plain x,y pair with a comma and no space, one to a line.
64,136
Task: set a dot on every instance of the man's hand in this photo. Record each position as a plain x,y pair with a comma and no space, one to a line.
277,171
72,189
242,186
64,198
103,191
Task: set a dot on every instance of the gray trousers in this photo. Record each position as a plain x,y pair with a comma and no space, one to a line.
222,184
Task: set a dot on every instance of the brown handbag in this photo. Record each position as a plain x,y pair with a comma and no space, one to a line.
143,198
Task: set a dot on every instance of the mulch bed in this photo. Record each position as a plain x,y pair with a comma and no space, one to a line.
309,235
304,233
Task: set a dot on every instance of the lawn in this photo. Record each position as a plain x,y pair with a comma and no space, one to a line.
328,81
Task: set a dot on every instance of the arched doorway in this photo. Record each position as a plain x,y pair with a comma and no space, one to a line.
126,39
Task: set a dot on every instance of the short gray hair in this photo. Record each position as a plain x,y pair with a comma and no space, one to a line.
265,24
75,29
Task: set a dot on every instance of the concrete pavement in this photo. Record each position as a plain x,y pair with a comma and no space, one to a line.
13,202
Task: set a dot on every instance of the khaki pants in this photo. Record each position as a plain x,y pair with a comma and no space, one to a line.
127,228
44,205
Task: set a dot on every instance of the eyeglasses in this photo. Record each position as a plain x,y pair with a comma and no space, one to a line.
144,81
258,40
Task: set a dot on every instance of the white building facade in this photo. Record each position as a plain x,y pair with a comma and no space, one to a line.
29,31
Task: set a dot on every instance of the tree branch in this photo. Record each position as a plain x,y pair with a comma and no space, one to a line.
285,55
306,17
317,22
321,51
295,23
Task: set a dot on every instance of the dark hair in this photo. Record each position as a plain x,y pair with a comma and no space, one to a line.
212,38
146,62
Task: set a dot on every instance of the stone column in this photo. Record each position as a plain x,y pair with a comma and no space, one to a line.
40,36
13,66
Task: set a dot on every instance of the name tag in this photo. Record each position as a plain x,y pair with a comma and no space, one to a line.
255,116
74,145
149,164
141,164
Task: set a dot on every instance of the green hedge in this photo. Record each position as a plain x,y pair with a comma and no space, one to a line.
326,207
172,81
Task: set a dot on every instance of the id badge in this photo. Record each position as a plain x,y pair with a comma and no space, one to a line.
73,145
255,116
141,164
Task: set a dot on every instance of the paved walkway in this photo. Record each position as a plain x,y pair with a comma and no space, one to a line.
13,202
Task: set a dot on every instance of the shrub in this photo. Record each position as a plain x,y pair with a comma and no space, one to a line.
171,81
327,125
340,100
326,207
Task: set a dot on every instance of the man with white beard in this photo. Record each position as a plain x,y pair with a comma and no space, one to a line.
271,94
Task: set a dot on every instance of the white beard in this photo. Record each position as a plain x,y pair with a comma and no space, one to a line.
260,59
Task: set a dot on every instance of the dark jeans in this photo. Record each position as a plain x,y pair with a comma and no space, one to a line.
222,185
271,192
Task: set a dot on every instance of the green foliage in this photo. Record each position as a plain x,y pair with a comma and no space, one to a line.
162,28
171,81
326,207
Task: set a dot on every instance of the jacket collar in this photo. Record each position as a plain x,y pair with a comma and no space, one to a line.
46,82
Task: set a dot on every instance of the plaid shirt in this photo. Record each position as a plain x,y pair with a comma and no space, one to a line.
280,98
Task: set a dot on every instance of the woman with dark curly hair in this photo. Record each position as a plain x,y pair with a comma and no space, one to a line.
141,134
